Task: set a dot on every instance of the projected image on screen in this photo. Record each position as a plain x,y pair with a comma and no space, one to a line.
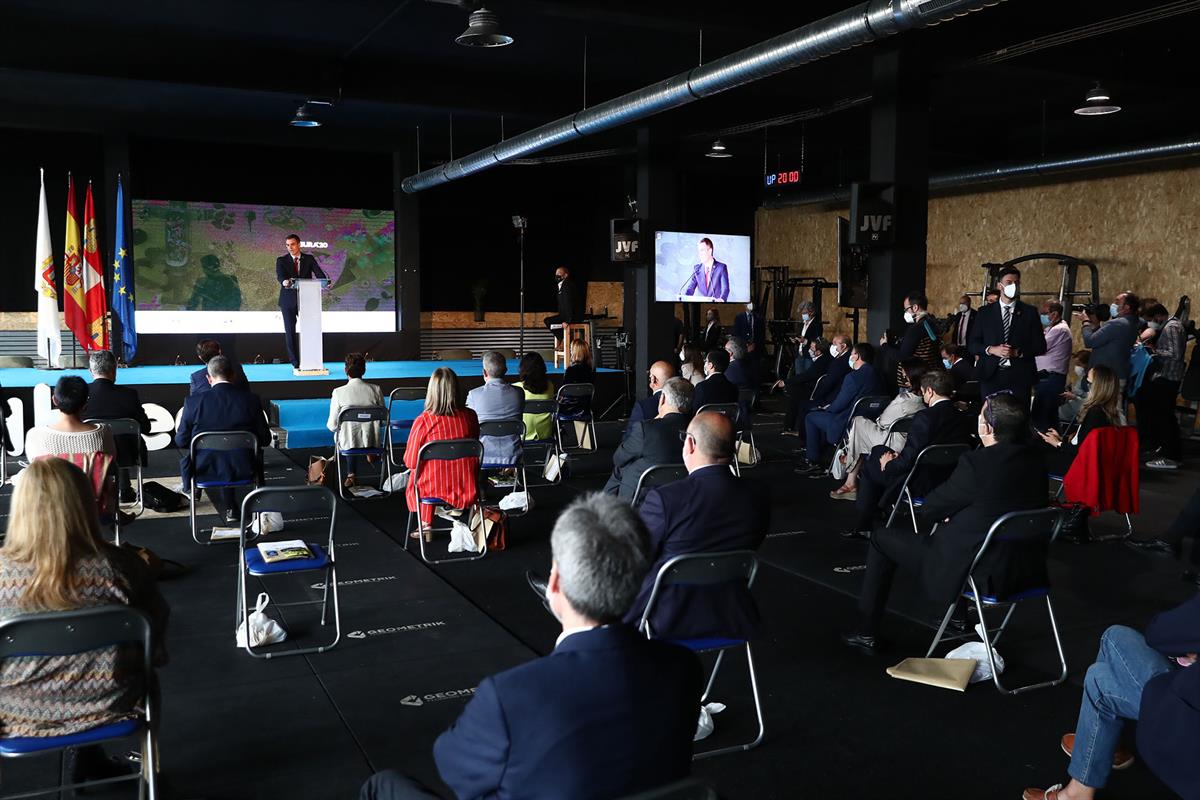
203,267
701,267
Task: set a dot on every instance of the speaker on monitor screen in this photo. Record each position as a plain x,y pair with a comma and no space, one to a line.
625,237
872,214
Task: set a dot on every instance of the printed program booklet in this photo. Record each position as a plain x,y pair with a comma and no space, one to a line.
284,551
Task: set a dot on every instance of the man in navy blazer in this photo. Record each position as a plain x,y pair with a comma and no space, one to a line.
828,424
647,407
288,269
751,328
716,388
108,400
607,714
711,511
651,442
224,408
205,350
710,278
742,371
824,390
1006,361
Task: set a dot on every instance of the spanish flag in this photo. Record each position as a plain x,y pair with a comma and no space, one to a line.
96,303
74,308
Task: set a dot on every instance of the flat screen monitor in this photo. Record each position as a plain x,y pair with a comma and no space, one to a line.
701,267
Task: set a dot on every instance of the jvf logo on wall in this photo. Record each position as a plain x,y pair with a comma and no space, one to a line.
416,626
875,225
416,701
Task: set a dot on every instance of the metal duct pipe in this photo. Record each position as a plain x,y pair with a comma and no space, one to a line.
861,24
998,173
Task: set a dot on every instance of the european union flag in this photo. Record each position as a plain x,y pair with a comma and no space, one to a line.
122,296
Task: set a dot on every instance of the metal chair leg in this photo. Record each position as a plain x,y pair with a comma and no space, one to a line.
757,709
712,677
937,638
325,597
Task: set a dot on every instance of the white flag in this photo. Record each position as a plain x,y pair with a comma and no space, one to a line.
49,338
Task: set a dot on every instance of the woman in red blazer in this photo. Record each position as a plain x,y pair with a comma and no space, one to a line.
443,418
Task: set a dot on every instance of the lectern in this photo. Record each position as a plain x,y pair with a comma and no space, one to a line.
312,352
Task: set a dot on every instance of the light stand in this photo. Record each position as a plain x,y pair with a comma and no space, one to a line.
520,223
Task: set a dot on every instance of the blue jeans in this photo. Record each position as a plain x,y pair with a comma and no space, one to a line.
1112,693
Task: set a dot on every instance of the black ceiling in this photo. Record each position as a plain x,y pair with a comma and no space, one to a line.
236,71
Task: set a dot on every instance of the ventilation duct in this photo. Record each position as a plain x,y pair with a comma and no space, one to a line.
861,24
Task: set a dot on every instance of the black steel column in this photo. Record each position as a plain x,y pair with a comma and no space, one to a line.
899,156
652,323
407,208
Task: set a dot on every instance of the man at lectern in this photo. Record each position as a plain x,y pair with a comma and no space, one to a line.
710,278
288,269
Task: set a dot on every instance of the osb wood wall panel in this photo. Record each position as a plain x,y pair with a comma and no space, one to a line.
1143,232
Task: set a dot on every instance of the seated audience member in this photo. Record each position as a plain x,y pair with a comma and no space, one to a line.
711,511
1078,386
535,384
715,388
1111,341
650,442
809,365
920,340
866,434
107,400
1150,678
205,350
823,389
69,434
443,418
826,424
54,559
959,364
496,400
1158,427
607,714
742,371
691,366
223,408
1101,409
355,392
579,371
884,469
1007,474
1052,367
647,407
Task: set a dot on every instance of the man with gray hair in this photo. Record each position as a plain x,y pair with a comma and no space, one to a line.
650,442
560,726
107,400
497,400
742,372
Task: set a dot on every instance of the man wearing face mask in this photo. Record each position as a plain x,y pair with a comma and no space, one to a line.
1155,401
566,302
806,371
1007,337
752,328
713,337
920,340
961,322
715,388
823,390
827,423
1112,341
1051,367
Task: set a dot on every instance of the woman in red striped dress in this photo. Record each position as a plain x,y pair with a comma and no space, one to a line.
443,418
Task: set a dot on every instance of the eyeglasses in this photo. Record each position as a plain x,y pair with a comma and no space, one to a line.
987,404
685,435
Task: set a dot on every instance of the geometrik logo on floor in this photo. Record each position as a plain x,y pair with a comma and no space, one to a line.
416,701
416,626
358,582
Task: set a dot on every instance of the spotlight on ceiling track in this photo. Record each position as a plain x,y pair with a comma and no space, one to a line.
718,150
483,30
1097,102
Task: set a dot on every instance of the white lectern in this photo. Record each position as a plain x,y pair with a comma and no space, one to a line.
312,352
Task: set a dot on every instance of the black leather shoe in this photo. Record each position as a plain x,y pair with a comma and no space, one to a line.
807,468
538,584
861,642
853,534
955,627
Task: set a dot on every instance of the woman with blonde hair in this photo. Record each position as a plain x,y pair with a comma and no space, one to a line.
54,559
1102,408
580,371
443,418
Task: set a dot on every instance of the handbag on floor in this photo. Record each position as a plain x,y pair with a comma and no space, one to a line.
490,527
321,471
161,499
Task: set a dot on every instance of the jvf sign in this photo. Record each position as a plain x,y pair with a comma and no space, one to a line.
875,226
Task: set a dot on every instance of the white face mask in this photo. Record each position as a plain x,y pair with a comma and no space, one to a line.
909,318
834,351
682,357
814,354
749,306
1010,291
854,362
805,317
1079,372
963,308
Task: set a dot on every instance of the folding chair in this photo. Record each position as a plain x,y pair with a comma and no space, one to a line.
1115,473
366,415
126,429
548,446
816,386
220,441
400,394
1017,529
658,475
709,569
444,450
250,562
935,456
902,425
508,427
582,394
65,633
733,411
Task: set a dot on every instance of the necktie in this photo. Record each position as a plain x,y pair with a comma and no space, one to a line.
298,268
1007,322
962,329
707,273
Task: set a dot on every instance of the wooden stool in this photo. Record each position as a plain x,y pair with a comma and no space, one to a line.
570,331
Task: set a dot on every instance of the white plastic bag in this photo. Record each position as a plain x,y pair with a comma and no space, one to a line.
555,463
705,726
516,501
398,482
267,522
977,651
462,539
837,469
263,629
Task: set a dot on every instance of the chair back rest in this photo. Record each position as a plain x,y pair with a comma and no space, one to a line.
1021,530
816,386
869,406
702,569
362,414
450,450
502,427
224,440
408,393
940,455
119,427
1105,473
731,410
900,425
291,499
541,406
64,633
658,475
573,390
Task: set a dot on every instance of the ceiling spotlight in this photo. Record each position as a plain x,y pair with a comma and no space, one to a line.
304,118
1096,102
483,30
718,150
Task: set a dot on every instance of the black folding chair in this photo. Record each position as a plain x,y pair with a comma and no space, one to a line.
444,450
219,441
1019,530
579,409
506,428
66,633
733,412
548,447
128,431
401,394
899,426
378,416
817,385
658,475
935,456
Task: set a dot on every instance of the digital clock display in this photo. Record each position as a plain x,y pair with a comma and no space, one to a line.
783,177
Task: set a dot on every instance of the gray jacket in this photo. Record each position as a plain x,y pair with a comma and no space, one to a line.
1111,344
496,400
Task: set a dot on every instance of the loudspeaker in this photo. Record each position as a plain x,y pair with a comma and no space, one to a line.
626,240
872,214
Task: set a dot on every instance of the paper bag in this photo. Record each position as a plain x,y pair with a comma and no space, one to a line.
947,673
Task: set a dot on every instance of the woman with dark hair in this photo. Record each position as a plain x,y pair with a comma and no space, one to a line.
69,434
1102,408
692,368
355,392
537,386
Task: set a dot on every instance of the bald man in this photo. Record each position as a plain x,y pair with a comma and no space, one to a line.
712,510
647,407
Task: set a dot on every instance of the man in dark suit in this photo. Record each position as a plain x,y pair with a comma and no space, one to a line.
742,371
827,423
960,364
1007,474
711,511
567,303
751,328
1007,337
810,365
647,407
710,278
823,390
205,350
713,336
958,332
288,269
107,400
650,442
609,713
884,469
224,408
715,388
